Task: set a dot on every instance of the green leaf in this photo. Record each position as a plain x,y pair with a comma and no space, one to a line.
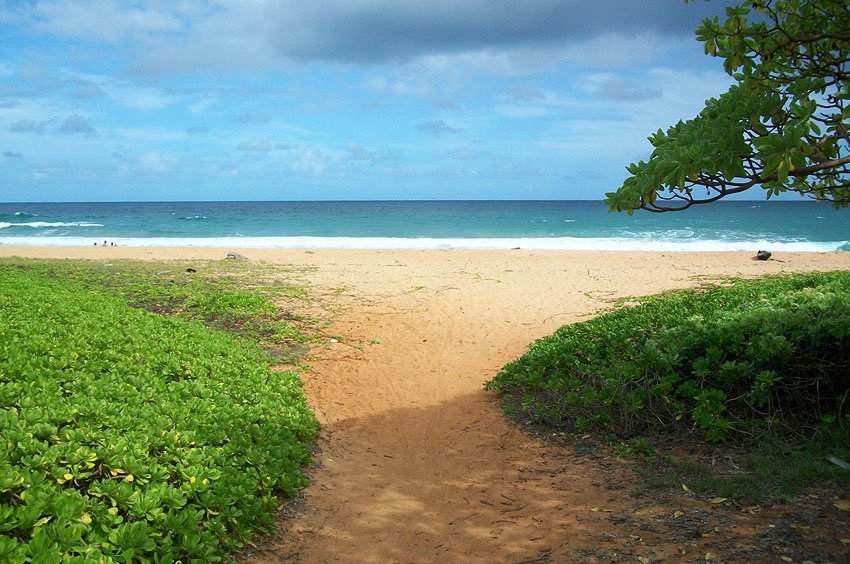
108,406
790,78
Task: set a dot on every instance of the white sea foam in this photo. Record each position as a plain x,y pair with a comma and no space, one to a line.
388,243
42,224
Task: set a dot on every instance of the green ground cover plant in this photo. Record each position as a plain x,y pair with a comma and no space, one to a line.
235,296
761,366
130,436
759,356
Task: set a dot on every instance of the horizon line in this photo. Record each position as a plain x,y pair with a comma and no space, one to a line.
396,200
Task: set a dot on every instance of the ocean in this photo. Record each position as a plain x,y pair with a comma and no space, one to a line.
546,225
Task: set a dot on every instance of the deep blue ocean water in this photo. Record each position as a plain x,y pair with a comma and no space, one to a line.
581,225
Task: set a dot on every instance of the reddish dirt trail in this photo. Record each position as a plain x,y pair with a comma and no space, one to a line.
418,463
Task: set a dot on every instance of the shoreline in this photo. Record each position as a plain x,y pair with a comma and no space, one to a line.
220,251
566,244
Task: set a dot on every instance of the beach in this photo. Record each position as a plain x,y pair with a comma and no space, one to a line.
417,462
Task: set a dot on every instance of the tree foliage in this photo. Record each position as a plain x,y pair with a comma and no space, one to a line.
783,126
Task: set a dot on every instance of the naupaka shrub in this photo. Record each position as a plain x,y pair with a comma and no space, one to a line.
126,435
235,296
759,356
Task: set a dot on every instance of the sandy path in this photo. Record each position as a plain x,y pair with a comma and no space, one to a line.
417,462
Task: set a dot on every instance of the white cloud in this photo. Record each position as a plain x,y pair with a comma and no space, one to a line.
438,128
403,83
202,105
107,20
29,126
148,135
440,36
76,125
686,91
122,91
283,109
143,98
599,126
308,160
359,153
523,101
256,145
522,111
157,162
614,50
514,61
461,154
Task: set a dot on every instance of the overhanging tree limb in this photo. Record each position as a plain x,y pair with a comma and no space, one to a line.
784,125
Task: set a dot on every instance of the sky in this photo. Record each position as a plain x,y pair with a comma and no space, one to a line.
164,100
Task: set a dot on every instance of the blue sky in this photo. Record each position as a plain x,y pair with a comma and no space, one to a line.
340,99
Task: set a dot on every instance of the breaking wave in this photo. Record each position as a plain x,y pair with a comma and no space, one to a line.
45,224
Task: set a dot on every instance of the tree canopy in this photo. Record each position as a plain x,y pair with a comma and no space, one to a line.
783,126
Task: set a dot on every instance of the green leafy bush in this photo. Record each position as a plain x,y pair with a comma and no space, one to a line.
130,436
759,356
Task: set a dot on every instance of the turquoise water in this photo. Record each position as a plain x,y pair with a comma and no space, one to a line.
791,226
